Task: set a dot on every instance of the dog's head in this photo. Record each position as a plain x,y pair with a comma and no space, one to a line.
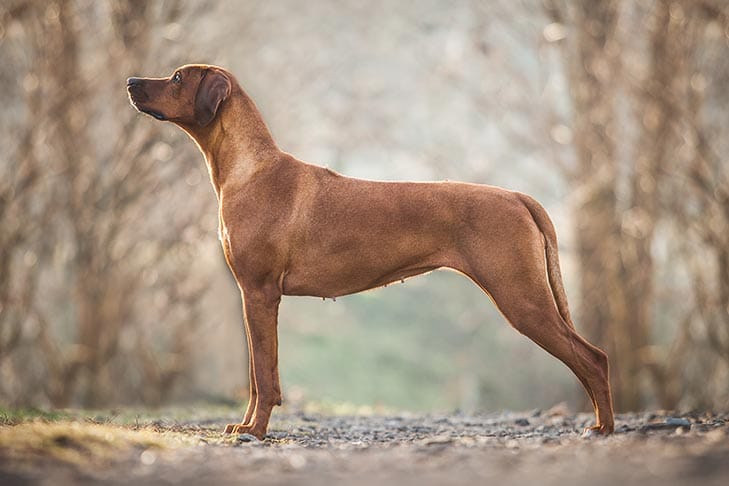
191,96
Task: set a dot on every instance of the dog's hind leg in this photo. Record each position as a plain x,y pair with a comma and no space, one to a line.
516,279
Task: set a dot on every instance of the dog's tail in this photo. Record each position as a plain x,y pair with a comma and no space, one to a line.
541,218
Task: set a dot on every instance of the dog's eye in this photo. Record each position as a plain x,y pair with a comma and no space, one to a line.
177,77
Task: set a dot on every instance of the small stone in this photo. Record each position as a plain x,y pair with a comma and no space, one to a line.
560,409
512,444
656,426
669,423
522,422
247,438
438,440
678,422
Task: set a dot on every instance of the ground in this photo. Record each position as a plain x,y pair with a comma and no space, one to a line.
308,448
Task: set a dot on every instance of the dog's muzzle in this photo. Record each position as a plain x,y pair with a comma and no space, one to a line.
138,95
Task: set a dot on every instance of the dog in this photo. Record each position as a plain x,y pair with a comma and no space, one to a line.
291,228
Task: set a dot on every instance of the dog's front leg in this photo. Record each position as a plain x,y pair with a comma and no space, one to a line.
252,391
261,314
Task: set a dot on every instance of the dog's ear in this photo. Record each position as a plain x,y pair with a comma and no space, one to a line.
214,88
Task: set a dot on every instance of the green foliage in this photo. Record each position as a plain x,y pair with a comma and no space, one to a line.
12,416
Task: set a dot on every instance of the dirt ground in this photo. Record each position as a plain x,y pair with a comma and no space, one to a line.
536,447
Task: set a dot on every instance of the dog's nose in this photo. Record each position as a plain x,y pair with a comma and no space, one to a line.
133,82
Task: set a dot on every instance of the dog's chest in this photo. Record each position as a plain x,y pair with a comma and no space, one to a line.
224,237
222,232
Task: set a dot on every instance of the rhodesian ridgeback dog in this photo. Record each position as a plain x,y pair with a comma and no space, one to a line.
292,228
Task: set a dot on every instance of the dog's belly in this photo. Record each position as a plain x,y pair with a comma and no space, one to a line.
340,263
335,282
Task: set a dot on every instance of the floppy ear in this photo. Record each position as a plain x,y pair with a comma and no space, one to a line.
214,88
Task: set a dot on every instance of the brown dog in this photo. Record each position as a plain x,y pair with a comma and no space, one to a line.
290,228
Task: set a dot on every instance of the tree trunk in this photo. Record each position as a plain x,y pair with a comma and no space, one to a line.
593,79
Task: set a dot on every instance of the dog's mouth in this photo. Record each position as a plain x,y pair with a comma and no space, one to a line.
153,113
136,94
136,103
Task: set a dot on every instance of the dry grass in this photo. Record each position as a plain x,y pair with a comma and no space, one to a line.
78,442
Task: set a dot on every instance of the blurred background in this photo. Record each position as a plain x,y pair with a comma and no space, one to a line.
613,113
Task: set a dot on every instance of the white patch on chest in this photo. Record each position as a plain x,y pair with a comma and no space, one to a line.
223,235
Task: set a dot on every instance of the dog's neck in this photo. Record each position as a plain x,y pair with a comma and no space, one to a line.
237,143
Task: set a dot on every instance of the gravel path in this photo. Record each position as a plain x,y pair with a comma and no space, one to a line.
508,448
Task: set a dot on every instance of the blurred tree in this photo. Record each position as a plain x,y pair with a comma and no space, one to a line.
102,175
621,205
593,71
22,217
697,198
656,109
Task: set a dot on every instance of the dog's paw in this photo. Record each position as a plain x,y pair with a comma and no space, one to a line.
236,429
596,431
243,429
